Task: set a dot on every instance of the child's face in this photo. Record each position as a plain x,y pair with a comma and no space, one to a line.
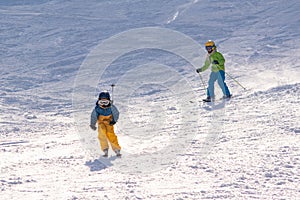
209,49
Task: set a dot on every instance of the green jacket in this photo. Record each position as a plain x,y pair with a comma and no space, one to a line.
209,61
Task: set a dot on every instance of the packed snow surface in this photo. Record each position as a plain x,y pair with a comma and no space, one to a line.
174,146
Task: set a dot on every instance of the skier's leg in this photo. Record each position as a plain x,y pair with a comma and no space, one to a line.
211,88
222,84
102,136
113,139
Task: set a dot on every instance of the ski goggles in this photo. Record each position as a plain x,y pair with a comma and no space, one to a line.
209,48
103,102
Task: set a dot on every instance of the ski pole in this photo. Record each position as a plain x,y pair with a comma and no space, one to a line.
235,81
204,86
112,92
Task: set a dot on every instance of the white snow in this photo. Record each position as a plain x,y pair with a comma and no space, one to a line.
174,146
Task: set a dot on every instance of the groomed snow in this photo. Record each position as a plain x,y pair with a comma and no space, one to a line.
174,146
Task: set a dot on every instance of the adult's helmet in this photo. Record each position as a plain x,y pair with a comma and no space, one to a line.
104,95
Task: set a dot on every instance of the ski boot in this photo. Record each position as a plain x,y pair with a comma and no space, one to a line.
226,97
118,153
105,153
209,99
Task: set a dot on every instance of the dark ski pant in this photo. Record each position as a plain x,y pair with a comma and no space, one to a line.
220,77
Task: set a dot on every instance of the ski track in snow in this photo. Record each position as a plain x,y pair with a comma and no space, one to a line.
255,155
181,9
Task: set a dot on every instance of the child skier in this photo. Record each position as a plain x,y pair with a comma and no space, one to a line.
216,60
106,115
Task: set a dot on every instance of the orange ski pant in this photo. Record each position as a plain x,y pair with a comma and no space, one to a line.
107,134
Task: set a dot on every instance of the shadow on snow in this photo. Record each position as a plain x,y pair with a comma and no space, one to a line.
100,163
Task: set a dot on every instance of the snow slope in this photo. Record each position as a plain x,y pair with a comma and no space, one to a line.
174,146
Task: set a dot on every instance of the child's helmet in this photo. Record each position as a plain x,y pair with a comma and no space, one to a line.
104,95
210,43
210,46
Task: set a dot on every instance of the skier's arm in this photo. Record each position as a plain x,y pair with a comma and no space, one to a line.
205,66
93,118
115,113
220,59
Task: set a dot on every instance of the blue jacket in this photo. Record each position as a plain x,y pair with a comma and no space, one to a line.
111,110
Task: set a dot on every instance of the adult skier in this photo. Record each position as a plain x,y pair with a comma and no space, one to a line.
216,60
106,115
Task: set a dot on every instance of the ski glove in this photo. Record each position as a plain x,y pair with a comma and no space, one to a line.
198,70
112,122
215,62
93,127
